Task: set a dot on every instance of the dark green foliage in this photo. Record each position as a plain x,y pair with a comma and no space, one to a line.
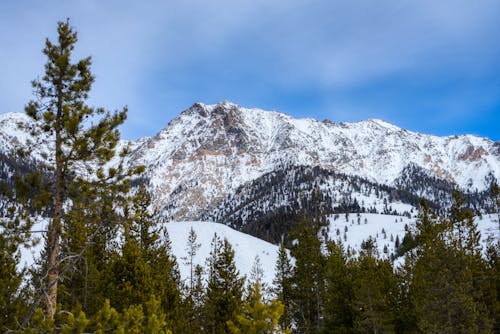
224,288
375,291
307,282
339,292
283,285
14,234
447,288
10,279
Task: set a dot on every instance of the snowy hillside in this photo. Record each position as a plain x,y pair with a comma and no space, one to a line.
246,247
385,229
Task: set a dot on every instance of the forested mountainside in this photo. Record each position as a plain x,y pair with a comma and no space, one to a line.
237,166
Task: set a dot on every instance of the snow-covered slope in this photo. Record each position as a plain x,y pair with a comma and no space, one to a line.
386,229
246,247
208,151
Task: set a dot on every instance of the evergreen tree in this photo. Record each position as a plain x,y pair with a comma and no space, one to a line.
11,239
129,279
191,249
495,196
446,292
308,279
91,225
339,292
145,267
224,288
492,295
27,195
155,246
256,275
257,317
375,291
78,135
283,285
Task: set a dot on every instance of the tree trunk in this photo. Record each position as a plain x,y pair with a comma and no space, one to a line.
54,247
54,229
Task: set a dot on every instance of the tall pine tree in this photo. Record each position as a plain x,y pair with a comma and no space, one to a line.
307,282
283,285
224,288
81,141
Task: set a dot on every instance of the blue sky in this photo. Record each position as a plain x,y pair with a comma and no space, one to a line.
428,66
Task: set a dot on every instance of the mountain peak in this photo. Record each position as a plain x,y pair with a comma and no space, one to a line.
384,124
209,151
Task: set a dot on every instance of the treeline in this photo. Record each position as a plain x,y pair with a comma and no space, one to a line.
444,283
259,206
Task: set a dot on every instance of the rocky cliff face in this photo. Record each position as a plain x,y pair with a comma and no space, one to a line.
209,151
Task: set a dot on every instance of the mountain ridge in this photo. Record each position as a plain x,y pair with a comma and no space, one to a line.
203,156
214,149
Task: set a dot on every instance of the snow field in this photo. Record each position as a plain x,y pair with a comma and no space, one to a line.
362,226
245,247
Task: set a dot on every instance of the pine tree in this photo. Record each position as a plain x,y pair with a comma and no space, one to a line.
283,285
91,224
446,290
224,288
339,292
15,227
257,317
492,295
144,268
256,275
375,291
10,277
129,280
308,279
79,135
191,249
147,318
495,196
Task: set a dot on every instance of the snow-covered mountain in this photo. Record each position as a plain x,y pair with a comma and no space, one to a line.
234,165
209,151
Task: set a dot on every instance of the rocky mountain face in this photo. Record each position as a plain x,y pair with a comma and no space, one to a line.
208,152
210,160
